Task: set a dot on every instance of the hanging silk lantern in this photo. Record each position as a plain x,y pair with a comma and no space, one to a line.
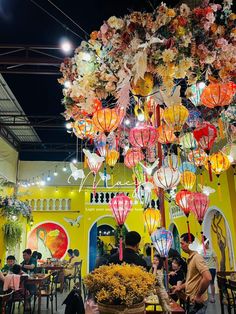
143,136
162,240
94,161
100,141
175,116
230,151
171,161
187,179
197,90
187,166
106,120
139,173
198,203
193,118
219,163
143,86
83,128
120,206
165,134
144,193
181,199
205,135
133,157
152,219
112,157
197,157
166,178
218,94
187,141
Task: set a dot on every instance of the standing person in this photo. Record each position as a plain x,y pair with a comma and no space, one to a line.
148,258
197,280
29,263
11,260
130,254
211,260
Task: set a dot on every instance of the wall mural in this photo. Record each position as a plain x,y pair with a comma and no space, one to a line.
50,239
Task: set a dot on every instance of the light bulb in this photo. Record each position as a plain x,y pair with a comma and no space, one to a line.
201,85
66,46
127,122
55,173
141,117
64,169
231,159
67,84
48,178
68,126
74,161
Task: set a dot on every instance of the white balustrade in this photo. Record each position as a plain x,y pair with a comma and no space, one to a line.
50,204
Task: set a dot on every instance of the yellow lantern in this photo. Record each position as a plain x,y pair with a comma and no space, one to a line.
219,162
112,157
175,116
187,179
106,120
143,87
152,218
83,128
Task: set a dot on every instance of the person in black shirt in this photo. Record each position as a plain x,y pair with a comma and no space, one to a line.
176,275
130,254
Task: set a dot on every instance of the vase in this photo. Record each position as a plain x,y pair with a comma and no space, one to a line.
121,309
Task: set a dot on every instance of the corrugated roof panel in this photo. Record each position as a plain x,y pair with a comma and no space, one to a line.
9,105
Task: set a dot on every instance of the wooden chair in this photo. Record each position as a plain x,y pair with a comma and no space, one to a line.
22,296
50,292
226,298
232,286
76,276
6,302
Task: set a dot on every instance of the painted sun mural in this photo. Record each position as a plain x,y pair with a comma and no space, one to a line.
50,239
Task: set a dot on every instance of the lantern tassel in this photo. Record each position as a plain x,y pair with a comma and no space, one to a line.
94,185
210,170
136,184
121,249
152,253
221,128
105,176
219,190
189,237
179,159
201,178
203,244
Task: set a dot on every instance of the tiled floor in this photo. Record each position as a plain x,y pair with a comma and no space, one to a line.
213,308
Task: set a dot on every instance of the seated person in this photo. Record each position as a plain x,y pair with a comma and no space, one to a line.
10,262
176,275
12,281
29,264
69,270
70,253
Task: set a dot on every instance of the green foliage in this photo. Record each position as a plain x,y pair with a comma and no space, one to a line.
12,234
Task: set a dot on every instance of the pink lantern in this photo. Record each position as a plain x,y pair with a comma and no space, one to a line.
133,157
143,136
120,206
198,203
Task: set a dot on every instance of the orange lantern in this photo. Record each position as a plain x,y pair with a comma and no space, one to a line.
165,134
218,94
197,157
219,163
175,117
152,218
112,157
187,179
133,157
106,120
83,128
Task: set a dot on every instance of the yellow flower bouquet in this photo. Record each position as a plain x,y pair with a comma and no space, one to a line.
120,284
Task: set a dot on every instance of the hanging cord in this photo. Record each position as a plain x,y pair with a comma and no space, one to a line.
55,19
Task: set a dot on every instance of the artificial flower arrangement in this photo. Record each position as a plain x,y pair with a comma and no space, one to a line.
120,284
12,208
160,47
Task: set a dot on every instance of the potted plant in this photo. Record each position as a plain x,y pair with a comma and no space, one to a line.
12,232
120,288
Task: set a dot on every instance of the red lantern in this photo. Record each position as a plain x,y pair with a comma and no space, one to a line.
143,136
133,157
218,94
181,200
205,135
198,203
121,206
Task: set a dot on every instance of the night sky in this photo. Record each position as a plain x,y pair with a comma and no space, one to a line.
23,23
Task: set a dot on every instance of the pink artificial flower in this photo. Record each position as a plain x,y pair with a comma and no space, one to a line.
104,28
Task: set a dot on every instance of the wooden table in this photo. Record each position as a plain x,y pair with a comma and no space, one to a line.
175,308
37,280
51,267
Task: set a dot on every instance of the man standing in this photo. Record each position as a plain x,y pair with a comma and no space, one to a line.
198,278
130,254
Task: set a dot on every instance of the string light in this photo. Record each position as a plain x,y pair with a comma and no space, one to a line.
55,172
64,168
49,176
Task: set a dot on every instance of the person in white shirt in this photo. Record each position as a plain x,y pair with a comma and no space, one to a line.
211,260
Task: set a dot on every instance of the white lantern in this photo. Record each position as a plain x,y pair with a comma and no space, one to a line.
166,178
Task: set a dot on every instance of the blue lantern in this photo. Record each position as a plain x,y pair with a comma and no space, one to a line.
187,166
193,118
197,90
162,240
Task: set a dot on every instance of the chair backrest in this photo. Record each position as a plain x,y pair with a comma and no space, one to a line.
224,289
54,281
78,267
225,273
232,287
5,299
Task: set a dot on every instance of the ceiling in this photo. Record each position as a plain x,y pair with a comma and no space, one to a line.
24,24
